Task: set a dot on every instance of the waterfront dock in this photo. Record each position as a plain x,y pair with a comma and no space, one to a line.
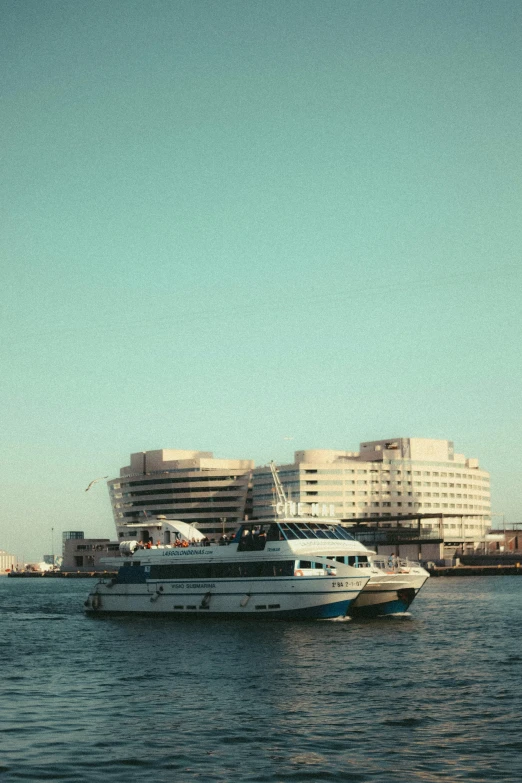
60,574
477,570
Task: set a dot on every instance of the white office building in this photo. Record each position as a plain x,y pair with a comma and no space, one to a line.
389,478
192,486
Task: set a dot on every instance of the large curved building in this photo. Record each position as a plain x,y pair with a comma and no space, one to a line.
192,486
398,477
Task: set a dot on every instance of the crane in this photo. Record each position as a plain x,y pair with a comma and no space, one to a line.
281,497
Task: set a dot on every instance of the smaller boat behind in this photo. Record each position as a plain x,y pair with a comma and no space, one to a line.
391,588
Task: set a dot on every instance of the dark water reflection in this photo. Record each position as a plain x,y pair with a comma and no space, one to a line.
434,696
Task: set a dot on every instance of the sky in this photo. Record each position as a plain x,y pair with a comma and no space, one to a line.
225,224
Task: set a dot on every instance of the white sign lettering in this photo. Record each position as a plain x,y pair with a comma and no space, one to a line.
292,509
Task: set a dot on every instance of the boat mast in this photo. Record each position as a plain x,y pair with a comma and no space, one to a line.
281,497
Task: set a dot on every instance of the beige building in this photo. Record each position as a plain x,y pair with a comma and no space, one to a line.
84,554
390,478
192,486
7,562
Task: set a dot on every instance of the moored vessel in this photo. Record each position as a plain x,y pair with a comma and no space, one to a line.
392,586
280,567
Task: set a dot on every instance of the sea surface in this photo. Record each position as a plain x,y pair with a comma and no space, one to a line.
434,695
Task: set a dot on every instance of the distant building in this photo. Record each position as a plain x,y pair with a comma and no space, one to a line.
84,554
398,484
71,534
8,562
53,560
192,486
508,541
391,478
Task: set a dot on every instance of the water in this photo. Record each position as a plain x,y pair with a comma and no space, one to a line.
431,696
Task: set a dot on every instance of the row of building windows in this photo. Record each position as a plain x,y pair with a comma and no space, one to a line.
386,484
266,479
197,479
155,511
182,490
212,502
199,520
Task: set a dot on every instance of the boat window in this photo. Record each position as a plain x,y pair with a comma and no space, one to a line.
181,571
304,564
336,532
230,570
314,528
254,537
298,533
273,533
302,529
341,532
325,531
307,529
288,531
341,559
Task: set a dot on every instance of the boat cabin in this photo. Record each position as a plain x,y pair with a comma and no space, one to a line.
254,535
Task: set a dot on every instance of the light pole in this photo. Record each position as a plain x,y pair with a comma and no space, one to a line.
52,544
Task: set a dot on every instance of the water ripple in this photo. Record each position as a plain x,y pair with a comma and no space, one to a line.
430,697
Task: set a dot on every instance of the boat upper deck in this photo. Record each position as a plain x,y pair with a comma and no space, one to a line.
258,539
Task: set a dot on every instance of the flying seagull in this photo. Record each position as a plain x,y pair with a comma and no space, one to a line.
94,482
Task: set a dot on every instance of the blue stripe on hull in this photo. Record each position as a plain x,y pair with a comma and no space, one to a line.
377,610
325,612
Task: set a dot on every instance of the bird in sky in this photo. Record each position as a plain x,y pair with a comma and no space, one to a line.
94,482
288,437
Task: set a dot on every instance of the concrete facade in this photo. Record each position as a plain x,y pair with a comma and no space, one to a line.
192,486
8,562
386,478
508,541
84,554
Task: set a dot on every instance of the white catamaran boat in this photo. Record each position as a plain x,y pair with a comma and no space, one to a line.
392,586
282,567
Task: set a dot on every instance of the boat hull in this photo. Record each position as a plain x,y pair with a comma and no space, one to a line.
391,595
288,598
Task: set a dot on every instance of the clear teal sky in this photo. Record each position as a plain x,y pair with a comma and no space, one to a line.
227,223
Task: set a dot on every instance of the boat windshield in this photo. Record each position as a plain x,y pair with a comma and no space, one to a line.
309,529
255,535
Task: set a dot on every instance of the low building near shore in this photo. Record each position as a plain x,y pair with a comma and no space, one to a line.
508,541
8,562
84,554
